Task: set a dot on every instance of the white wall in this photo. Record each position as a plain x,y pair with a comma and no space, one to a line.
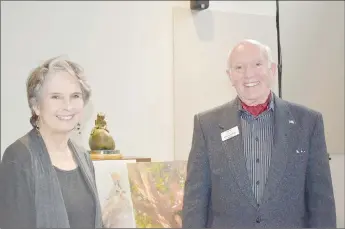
201,44
313,62
126,49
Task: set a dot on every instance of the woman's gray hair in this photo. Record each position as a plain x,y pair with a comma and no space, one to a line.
38,76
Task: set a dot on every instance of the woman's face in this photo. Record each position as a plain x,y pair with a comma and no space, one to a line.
60,103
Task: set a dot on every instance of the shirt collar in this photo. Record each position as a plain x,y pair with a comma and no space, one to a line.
270,105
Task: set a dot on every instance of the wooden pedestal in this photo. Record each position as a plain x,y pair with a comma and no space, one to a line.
97,157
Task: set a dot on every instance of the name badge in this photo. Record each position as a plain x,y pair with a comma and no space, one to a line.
230,133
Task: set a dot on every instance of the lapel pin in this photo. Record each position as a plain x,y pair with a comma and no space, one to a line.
300,151
291,121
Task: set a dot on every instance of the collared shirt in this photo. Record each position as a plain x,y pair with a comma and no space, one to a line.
257,136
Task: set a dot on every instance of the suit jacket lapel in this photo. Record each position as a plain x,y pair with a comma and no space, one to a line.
284,131
50,207
233,149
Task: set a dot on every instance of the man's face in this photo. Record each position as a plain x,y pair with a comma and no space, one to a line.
251,73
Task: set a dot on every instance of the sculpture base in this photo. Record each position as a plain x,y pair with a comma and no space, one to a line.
105,154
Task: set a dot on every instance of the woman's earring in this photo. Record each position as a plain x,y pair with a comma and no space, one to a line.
37,121
78,128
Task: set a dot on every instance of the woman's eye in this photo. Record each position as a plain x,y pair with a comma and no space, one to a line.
77,96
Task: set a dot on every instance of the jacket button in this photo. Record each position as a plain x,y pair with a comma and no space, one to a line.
258,220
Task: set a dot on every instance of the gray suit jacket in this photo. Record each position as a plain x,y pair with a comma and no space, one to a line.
298,192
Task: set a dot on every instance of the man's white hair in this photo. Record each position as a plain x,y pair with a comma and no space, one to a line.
265,49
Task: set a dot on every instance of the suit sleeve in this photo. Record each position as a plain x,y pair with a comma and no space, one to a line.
197,185
17,205
319,188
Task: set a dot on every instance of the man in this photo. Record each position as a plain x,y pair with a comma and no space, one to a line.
258,161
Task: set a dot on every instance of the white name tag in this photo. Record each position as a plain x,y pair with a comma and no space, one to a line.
230,133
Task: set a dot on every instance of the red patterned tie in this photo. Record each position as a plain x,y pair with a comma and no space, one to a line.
257,109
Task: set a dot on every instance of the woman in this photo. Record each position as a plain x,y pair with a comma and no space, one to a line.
46,181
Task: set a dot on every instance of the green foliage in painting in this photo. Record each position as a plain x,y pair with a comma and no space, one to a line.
160,175
161,184
144,221
157,192
135,190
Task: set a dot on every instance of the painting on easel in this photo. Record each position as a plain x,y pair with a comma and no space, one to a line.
114,193
157,193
